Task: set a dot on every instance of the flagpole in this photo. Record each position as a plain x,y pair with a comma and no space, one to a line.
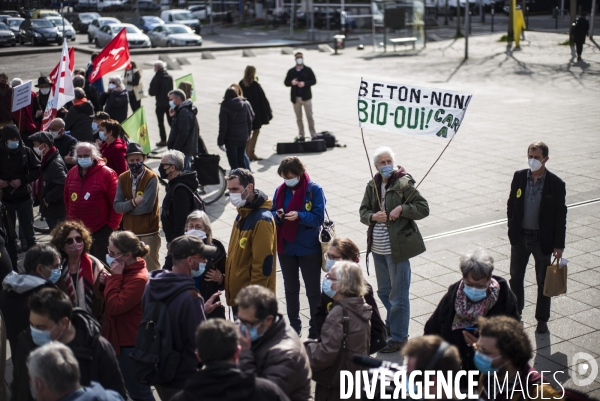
371,169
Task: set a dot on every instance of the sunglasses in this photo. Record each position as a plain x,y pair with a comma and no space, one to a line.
70,241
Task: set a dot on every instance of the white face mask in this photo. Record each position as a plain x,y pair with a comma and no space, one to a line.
299,61
236,199
196,233
38,150
44,91
54,134
534,164
112,86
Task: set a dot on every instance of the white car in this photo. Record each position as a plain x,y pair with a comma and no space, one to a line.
135,37
200,11
184,17
68,31
174,35
113,4
98,23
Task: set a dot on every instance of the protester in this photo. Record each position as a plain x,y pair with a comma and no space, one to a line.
5,101
220,380
19,167
53,318
184,127
394,238
41,100
114,148
91,93
80,270
300,79
123,290
252,245
63,142
115,100
186,307
160,86
537,224
346,285
54,375
41,269
178,202
98,118
78,120
240,93
137,199
260,105
187,88
90,190
23,117
52,182
271,349
133,77
99,83
235,125
343,249
478,293
299,211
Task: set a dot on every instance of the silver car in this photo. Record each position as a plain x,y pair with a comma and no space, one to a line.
135,37
14,24
174,35
98,23
68,31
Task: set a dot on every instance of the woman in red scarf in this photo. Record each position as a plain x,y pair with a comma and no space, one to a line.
299,211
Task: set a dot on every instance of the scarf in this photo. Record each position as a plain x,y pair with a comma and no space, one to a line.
468,311
81,292
287,229
77,102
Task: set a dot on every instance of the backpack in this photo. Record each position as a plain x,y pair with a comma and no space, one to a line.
154,361
198,202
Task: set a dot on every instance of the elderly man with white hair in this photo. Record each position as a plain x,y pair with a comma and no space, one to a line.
89,194
390,206
116,100
160,86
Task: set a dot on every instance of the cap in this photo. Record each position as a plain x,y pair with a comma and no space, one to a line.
134,149
187,245
42,81
42,137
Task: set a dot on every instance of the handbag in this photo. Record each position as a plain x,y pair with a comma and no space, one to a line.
207,168
330,376
326,234
556,278
138,91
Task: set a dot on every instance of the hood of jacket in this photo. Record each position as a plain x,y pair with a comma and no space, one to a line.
358,307
85,108
163,284
10,131
235,104
95,392
162,73
88,330
188,178
188,105
220,382
21,283
260,201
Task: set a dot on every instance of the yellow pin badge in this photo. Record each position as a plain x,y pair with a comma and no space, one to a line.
519,193
139,193
308,206
243,242
74,196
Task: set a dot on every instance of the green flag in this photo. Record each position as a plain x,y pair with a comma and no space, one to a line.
189,79
137,129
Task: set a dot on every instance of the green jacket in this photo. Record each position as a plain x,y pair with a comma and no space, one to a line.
405,238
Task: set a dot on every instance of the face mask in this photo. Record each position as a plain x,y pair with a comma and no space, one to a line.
253,332
236,199
110,259
292,182
112,86
299,61
475,294
196,233
200,271
102,135
40,337
45,91
172,104
38,151
163,173
386,171
534,164
94,125
54,134
135,167
329,264
483,363
74,249
13,144
192,93
327,290
54,275
84,162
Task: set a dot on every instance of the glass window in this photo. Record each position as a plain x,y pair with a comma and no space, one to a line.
42,23
183,16
3,27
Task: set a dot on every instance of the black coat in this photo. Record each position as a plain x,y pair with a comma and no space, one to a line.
96,357
259,102
184,130
79,122
115,104
178,204
307,76
553,211
580,30
21,163
54,174
91,94
440,322
66,146
160,86
235,121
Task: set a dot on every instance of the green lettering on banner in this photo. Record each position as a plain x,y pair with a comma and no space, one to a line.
372,111
456,124
416,124
363,110
385,110
437,117
443,132
396,117
449,119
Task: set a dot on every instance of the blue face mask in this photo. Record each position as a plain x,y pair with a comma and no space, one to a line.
12,144
329,264
200,271
327,283
483,363
192,93
386,171
172,104
54,275
85,162
94,125
110,259
40,337
475,294
102,135
292,182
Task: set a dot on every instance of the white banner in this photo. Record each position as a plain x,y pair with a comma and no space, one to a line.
21,96
408,109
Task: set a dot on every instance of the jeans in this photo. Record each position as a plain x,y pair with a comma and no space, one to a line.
246,160
160,115
393,286
310,266
525,246
24,211
53,222
137,391
235,154
187,163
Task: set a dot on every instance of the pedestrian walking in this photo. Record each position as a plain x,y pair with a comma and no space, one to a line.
235,125
160,86
260,105
579,31
301,78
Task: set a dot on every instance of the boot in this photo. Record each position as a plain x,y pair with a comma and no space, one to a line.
251,145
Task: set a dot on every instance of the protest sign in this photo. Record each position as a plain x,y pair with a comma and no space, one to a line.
409,109
189,79
21,96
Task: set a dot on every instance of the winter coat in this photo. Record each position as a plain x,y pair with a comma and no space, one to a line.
252,248
114,155
209,288
123,304
93,392
178,204
160,86
90,199
23,118
305,75
54,173
279,356
224,382
184,129
441,320
115,104
235,121
259,102
581,28
91,94
79,122
21,163
186,312
322,354
96,357
6,105
66,146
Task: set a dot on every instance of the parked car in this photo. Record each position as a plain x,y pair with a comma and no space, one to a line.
4,18
200,11
7,37
148,23
111,5
39,31
12,13
14,24
135,37
174,35
97,24
83,20
184,17
44,13
146,5
67,29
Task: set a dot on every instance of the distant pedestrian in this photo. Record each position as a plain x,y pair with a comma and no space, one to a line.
98,84
300,79
160,86
260,105
579,31
235,125
184,127
188,89
115,101
132,79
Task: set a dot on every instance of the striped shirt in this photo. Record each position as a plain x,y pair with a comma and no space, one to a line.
381,235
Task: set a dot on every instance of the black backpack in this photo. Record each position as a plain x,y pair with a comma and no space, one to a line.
154,361
198,202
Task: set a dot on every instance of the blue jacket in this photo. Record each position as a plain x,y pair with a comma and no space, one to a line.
95,392
307,237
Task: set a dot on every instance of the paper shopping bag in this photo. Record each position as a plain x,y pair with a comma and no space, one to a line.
556,279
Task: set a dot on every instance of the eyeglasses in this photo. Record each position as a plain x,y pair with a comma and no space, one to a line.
112,254
166,164
70,241
326,256
248,325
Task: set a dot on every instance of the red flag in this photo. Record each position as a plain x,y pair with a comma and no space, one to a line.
114,56
54,74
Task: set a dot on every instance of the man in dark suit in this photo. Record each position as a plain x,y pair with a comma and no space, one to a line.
300,79
537,224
